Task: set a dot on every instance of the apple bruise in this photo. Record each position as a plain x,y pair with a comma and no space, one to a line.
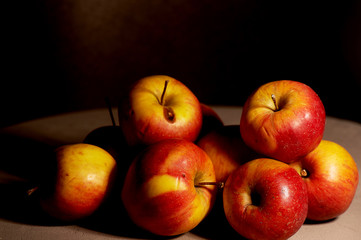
167,111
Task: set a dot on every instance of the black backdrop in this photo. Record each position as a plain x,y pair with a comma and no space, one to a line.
68,55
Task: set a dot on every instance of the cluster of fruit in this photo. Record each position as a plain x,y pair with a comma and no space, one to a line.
272,171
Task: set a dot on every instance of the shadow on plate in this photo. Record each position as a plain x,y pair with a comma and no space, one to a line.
313,222
215,225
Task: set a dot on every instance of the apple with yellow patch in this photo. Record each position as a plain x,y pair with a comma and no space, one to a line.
283,119
169,188
84,176
160,107
331,177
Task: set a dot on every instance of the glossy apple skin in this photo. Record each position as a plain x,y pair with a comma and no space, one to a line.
144,119
84,177
331,180
290,132
265,199
159,193
227,150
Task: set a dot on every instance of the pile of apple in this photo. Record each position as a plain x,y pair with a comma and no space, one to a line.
272,171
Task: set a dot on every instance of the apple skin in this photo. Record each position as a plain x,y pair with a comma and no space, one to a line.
286,132
265,199
227,150
210,120
84,177
145,119
331,177
110,138
159,192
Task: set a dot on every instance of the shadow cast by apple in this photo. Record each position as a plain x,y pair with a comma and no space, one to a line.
17,206
215,226
112,218
24,164
26,158
314,222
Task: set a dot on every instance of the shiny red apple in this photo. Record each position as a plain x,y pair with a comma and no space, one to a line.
169,188
265,199
283,119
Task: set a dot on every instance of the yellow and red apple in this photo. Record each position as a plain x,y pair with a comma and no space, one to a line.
265,199
168,188
283,119
160,107
84,177
227,150
331,177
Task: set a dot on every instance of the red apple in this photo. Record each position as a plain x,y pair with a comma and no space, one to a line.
168,188
331,177
283,120
84,176
160,107
227,150
265,199
210,120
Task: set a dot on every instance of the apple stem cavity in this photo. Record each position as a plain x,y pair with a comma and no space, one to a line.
304,173
275,102
220,185
168,112
163,93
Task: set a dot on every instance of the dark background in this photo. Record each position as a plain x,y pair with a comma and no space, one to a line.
61,56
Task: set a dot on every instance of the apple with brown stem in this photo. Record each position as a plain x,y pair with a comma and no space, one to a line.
265,199
331,177
169,188
160,107
283,119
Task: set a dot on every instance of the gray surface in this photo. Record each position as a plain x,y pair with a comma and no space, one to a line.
18,219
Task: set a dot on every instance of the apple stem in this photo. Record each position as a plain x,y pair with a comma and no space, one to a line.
31,191
304,173
163,93
275,102
220,185
107,102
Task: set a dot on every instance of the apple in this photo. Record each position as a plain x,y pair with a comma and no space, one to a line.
169,187
227,150
160,107
210,120
83,179
331,177
265,199
283,119
110,138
